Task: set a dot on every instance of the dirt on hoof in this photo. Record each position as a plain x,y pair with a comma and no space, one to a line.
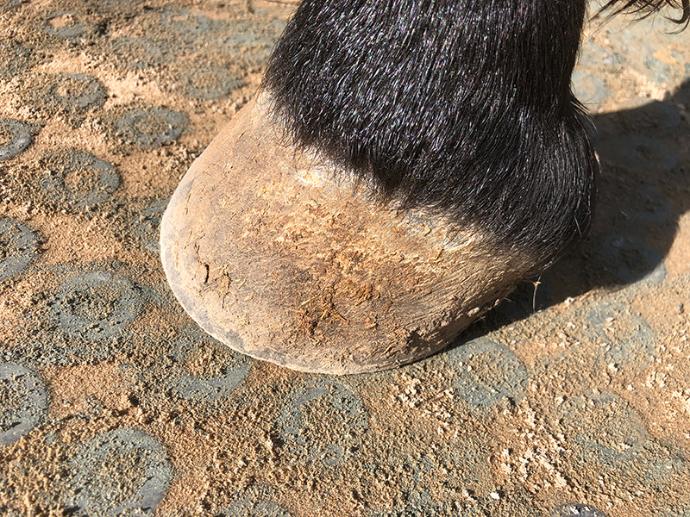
278,254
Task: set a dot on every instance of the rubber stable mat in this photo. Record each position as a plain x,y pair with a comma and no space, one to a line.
573,398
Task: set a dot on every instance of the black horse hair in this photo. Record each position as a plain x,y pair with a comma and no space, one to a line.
460,106
645,8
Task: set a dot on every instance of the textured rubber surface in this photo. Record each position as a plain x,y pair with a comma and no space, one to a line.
112,401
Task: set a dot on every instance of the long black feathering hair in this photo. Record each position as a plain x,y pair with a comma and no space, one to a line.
648,7
463,106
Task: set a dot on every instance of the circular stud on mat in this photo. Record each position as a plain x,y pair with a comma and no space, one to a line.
19,136
487,372
79,181
277,254
73,96
152,127
136,53
229,369
18,247
25,401
626,340
210,82
65,25
347,419
96,305
124,471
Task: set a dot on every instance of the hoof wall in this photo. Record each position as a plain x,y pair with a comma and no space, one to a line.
271,255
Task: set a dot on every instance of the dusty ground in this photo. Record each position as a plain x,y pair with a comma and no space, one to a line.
113,402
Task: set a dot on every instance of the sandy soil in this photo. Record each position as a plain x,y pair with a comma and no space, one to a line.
572,399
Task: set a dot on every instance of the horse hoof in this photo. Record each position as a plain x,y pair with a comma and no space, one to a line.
285,257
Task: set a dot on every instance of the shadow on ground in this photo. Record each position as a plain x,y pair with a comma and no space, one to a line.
643,191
